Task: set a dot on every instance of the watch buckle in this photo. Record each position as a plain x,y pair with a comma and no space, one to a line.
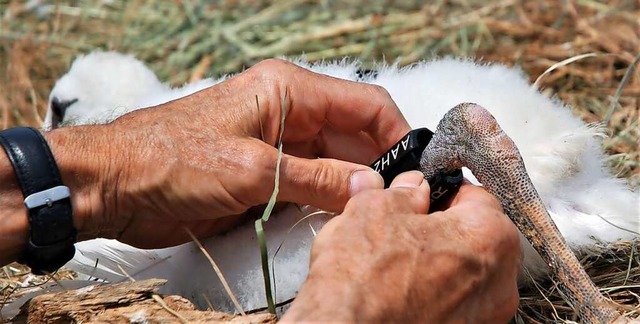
47,197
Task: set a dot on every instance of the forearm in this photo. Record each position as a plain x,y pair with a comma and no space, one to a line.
13,215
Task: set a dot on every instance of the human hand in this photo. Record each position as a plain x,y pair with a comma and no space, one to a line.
203,157
384,260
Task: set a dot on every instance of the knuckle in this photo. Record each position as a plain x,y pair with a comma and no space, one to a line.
270,78
370,198
266,69
380,93
501,237
378,202
491,232
379,90
321,179
493,202
501,228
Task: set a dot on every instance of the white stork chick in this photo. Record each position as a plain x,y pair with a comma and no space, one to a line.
121,84
563,157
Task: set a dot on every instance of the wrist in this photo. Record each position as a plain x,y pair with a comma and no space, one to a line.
83,170
336,291
325,298
90,170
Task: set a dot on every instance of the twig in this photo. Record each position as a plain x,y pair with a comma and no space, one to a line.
224,282
625,79
562,63
157,298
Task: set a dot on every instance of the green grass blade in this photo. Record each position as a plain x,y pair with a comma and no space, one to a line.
262,242
264,257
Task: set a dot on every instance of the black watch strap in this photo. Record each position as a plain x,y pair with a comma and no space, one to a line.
51,230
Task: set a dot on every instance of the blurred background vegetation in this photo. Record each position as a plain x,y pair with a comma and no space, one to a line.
186,40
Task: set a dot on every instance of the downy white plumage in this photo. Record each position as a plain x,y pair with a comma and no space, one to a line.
563,157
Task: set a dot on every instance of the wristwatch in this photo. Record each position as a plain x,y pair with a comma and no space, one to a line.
48,201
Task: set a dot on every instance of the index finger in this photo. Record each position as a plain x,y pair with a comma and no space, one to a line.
316,100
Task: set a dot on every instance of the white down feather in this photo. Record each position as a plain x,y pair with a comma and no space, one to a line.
563,156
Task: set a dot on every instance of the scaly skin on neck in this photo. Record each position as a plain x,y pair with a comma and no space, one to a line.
468,135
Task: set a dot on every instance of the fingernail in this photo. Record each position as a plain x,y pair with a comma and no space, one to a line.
362,180
411,179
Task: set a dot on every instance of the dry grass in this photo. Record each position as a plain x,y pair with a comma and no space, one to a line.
189,39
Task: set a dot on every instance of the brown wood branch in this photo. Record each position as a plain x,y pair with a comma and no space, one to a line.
128,302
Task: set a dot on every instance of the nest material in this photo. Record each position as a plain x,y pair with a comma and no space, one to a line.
191,39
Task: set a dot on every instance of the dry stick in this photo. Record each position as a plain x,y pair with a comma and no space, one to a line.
313,230
393,22
618,226
625,80
143,269
58,282
54,40
349,26
275,254
6,271
262,309
555,312
629,267
341,27
125,19
14,289
166,307
478,13
34,104
189,11
95,267
218,272
157,298
125,273
5,301
268,13
260,119
347,50
6,111
563,63
80,12
209,304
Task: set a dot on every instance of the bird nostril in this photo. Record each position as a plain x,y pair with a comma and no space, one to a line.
59,108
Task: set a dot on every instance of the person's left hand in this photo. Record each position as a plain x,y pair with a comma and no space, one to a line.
212,154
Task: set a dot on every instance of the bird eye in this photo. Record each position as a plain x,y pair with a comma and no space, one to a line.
58,110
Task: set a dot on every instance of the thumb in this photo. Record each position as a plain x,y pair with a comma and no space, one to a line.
413,184
324,183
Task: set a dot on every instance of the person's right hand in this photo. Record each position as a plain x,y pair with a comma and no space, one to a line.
384,260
